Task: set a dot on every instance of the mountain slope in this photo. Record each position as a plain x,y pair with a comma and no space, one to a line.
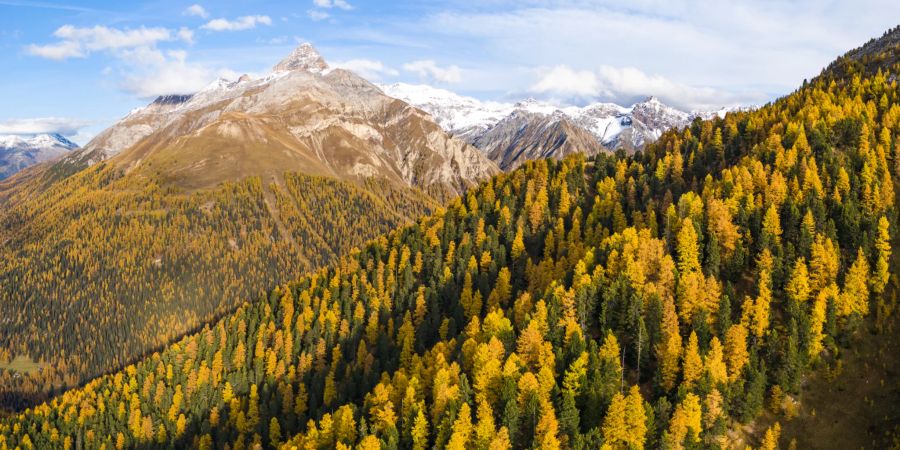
17,153
176,214
661,300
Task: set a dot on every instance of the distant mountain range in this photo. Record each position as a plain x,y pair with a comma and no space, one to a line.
246,112
511,133
18,152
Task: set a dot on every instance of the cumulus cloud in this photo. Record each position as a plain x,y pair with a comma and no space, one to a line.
429,70
630,82
241,23
624,85
327,4
145,70
158,73
78,42
563,80
196,10
367,68
730,46
41,125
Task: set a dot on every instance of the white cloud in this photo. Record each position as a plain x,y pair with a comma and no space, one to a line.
563,80
105,38
79,42
241,23
145,70
428,69
164,74
186,35
730,47
317,15
318,12
367,68
58,51
41,125
341,4
82,137
196,10
624,85
620,83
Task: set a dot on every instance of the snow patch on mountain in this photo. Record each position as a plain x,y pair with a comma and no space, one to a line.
614,126
18,152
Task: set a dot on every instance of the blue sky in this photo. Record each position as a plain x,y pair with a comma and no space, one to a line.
78,67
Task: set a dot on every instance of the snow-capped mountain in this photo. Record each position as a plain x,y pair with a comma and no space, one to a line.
18,152
612,126
461,116
526,135
303,116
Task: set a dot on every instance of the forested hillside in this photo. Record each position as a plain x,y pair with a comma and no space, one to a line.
98,271
187,207
652,301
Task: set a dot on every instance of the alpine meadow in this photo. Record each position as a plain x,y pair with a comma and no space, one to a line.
325,255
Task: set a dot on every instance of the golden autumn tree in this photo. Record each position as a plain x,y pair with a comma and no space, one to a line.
736,355
797,287
686,421
668,349
692,364
635,418
854,298
714,362
615,429
462,429
883,248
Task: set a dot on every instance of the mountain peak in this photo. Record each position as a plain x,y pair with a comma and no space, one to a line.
304,57
62,140
18,152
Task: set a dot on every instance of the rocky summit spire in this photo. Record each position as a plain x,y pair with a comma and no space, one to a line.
305,57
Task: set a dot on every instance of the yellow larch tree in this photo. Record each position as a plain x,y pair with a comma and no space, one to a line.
736,355
692,364
635,418
797,287
882,265
462,429
668,350
854,298
714,362
615,429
